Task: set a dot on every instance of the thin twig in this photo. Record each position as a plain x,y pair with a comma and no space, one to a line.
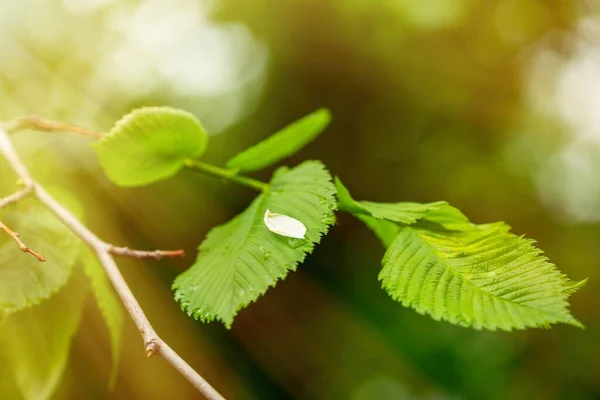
145,255
13,198
46,125
16,196
152,342
24,248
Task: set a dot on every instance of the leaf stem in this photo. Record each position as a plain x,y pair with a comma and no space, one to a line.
24,248
46,125
228,174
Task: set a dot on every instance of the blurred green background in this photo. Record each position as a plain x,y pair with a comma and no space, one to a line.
493,106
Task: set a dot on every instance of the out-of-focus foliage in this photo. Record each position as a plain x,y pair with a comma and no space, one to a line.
35,343
109,305
488,105
24,281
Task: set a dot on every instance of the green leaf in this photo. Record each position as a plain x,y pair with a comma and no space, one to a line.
35,343
109,306
150,144
240,259
481,276
283,143
477,276
403,212
24,281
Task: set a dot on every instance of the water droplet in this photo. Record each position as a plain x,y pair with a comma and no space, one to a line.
266,255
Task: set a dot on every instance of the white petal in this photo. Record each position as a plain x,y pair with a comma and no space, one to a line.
284,225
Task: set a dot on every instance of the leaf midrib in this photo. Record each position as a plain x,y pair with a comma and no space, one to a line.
462,277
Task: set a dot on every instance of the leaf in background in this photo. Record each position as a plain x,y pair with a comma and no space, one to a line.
24,281
8,386
35,343
282,144
108,303
150,144
481,277
403,212
240,259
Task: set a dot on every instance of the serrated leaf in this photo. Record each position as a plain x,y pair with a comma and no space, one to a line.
282,144
150,144
109,306
403,212
479,276
35,343
240,259
24,281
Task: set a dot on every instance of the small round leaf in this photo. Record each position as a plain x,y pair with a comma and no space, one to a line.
150,144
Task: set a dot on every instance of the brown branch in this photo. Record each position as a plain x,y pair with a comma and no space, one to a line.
145,255
46,125
13,198
153,344
24,248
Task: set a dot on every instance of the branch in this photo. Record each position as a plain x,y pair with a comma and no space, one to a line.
24,248
46,125
152,342
145,255
13,198
16,196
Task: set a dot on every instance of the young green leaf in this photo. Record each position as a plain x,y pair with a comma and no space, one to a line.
240,259
35,343
479,276
150,144
283,143
403,212
24,281
108,303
